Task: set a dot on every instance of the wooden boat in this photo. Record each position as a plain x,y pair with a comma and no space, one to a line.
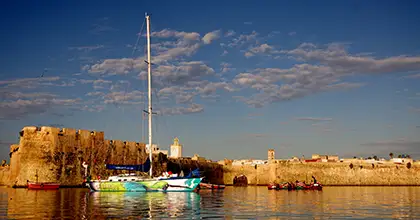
291,186
273,186
316,186
286,186
41,185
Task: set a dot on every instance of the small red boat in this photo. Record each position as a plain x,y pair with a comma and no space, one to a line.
286,186
273,186
41,185
35,185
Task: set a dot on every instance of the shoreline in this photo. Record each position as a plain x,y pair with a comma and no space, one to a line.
343,185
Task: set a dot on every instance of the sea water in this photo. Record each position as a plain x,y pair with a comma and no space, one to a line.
250,202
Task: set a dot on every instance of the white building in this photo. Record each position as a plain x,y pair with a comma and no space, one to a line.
155,149
176,149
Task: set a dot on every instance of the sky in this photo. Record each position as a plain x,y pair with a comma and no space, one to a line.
230,80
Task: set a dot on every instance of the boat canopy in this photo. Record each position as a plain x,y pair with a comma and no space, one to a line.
142,167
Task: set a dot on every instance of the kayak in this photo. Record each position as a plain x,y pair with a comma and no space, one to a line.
273,186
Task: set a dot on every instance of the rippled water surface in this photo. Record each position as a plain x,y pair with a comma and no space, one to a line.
233,202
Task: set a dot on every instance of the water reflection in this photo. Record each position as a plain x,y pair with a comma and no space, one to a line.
233,202
148,205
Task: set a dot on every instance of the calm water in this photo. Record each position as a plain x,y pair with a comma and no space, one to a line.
232,203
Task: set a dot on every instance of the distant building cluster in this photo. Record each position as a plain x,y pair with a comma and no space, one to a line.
176,153
316,158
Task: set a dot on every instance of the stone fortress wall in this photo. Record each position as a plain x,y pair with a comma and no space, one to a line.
353,172
56,155
331,174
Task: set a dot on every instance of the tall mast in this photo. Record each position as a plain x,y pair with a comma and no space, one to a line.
149,70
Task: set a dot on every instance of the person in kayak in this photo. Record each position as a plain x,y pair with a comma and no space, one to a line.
314,179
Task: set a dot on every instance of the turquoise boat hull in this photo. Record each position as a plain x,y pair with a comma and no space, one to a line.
148,185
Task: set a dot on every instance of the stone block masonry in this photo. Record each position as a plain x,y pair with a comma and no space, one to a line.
56,155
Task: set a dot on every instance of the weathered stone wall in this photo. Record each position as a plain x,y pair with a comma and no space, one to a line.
56,155
5,175
327,173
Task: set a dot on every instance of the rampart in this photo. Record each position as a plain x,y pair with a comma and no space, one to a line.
329,174
56,155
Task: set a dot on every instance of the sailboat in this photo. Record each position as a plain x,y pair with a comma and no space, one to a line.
134,183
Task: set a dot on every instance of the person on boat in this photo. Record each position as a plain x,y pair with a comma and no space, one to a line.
165,174
314,179
181,174
298,183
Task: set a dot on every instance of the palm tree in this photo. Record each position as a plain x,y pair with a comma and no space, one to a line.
375,157
391,155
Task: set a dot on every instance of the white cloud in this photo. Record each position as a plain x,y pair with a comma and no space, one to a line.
248,54
244,39
17,109
230,33
314,119
226,67
124,98
186,44
167,33
264,49
29,83
116,66
182,73
98,94
211,36
248,22
211,88
98,83
336,56
414,76
292,33
193,108
330,66
6,95
86,48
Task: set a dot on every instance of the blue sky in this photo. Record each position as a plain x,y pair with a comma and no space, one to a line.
230,80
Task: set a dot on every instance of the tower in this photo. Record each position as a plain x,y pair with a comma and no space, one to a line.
176,149
271,154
